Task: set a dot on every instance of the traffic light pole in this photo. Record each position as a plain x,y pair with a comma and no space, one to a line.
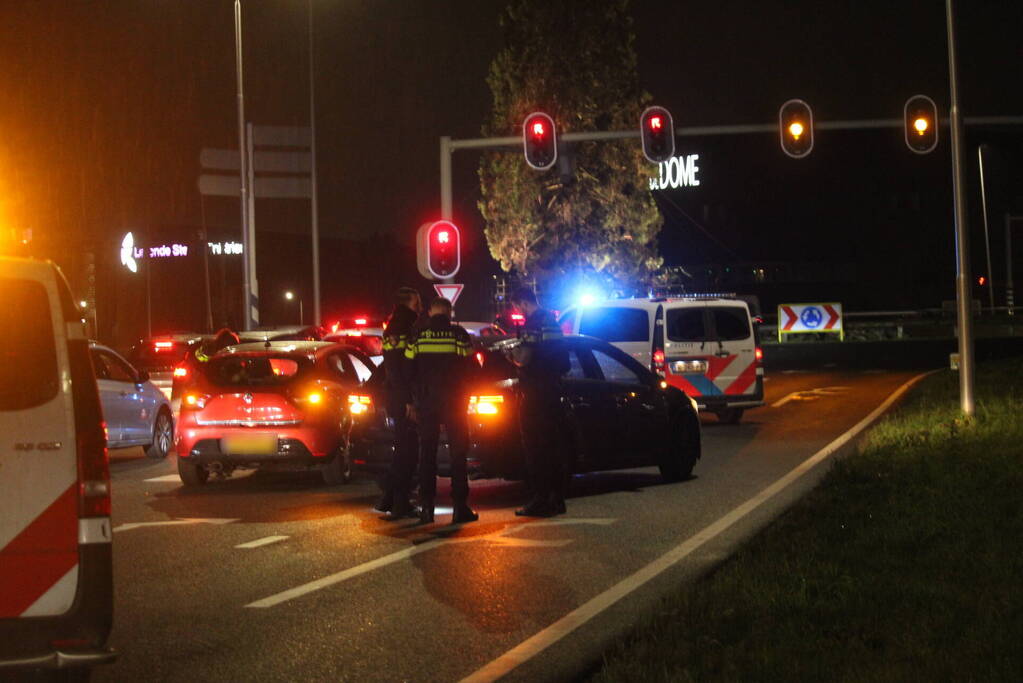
964,314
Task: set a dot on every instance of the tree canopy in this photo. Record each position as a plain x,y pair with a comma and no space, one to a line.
593,211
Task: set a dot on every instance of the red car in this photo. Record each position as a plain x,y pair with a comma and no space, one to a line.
281,405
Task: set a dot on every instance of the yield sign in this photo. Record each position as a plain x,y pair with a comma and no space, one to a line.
449,292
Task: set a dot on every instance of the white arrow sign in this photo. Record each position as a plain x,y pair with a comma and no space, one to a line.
449,292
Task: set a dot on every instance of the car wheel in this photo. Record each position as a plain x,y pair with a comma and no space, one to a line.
684,450
163,436
192,474
729,416
339,470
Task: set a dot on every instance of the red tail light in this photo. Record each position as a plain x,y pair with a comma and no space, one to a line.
659,361
361,321
759,353
479,358
163,346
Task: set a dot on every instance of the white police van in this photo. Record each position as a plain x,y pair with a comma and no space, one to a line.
706,345
56,587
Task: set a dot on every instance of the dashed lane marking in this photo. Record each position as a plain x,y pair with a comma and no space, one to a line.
501,537
539,642
173,522
165,478
259,542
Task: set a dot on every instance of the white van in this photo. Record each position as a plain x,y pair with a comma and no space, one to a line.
56,580
705,345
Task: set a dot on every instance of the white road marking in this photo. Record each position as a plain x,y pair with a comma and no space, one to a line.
501,537
166,477
810,395
536,644
173,522
261,542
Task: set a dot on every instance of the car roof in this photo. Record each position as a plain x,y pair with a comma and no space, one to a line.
304,348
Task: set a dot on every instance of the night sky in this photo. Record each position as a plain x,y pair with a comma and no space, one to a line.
106,105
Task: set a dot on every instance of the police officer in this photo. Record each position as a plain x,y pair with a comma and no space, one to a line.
196,358
541,360
398,481
439,370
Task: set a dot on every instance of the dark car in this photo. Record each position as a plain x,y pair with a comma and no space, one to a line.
291,405
160,355
618,415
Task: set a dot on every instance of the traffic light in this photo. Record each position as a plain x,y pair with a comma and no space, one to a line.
921,124
540,140
438,250
658,133
795,125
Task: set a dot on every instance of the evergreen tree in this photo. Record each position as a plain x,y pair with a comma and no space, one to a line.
593,214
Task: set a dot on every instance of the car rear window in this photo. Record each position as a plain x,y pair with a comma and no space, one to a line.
249,371
731,323
159,353
616,324
685,324
28,355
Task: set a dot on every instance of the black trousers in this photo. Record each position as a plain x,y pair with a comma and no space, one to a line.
544,441
453,415
398,481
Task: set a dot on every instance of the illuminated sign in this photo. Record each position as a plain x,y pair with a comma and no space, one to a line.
131,253
676,172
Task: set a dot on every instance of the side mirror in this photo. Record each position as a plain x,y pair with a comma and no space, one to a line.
143,376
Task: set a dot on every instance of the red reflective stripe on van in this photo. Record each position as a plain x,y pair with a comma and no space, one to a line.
716,365
743,381
40,555
682,383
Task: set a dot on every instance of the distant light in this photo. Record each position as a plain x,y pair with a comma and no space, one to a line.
538,129
796,129
361,321
921,125
655,123
982,281
289,295
335,326
83,303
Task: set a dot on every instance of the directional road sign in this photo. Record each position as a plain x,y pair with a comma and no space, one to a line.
810,318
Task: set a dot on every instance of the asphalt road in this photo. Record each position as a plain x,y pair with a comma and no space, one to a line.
274,576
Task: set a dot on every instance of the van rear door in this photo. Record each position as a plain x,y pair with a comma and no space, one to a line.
38,463
734,347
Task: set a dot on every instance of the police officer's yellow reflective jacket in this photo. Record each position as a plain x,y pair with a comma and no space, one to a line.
441,363
397,332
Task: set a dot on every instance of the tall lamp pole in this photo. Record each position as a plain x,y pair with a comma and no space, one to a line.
247,265
312,159
964,313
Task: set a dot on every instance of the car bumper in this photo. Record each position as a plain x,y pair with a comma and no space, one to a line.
309,445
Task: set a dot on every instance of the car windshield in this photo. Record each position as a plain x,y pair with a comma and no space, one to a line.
248,371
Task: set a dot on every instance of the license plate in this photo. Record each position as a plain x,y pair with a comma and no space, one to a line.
249,444
689,367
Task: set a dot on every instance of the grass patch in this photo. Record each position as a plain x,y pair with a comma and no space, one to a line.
904,564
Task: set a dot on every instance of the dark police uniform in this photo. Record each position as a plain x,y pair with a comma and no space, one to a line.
439,370
540,412
398,483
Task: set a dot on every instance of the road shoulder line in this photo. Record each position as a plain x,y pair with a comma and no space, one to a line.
540,641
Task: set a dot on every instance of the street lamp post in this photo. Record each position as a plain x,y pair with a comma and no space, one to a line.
312,160
249,314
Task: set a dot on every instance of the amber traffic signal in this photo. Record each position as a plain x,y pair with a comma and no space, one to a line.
540,141
657,131
920,116
795,125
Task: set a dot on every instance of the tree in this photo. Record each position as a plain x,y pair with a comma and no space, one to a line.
593,212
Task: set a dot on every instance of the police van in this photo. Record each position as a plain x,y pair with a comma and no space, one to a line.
706,345
56,585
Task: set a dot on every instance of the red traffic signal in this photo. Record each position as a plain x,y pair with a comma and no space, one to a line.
795,125
920,116
438,250
540,141
657,131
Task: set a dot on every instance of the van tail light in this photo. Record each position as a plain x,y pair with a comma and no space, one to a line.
659,362
485,405
759,354
90,435
359,405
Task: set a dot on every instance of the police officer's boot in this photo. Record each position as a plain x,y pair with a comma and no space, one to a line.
401,508
426,512
463,514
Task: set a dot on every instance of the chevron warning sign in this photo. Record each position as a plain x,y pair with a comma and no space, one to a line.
810,318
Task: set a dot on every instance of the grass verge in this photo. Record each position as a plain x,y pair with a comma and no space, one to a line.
906,562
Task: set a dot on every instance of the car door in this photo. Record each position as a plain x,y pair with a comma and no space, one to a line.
110,398
591,410
127,393
641,411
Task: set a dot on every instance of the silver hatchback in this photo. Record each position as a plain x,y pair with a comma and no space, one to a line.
136,412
